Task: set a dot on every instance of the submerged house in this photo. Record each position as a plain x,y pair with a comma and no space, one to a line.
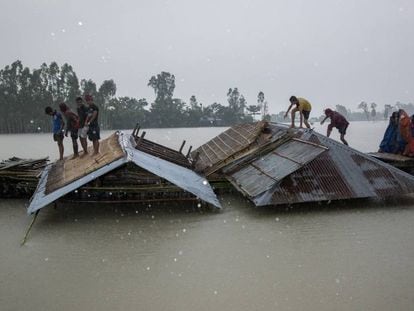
268,163
129,168
272,164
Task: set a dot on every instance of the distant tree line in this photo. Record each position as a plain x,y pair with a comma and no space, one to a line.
24,94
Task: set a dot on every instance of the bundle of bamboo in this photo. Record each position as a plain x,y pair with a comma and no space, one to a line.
19,177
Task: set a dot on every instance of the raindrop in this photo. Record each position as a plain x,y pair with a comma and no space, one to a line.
80,23
199,205
184,230
46,259
205,182
148,268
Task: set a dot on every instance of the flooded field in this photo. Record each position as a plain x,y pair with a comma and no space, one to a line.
355,255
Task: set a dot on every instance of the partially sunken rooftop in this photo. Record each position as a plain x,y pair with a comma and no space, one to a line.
273,164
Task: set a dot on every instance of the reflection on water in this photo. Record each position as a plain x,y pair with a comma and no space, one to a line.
343,256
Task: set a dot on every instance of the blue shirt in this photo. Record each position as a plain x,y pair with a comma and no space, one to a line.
57,123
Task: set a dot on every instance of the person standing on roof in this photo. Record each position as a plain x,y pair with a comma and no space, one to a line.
83,129
72,126
338,121
92,122
303,106
57,127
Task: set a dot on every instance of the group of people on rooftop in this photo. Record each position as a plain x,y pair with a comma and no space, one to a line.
399,135
85,124
304,108
82,125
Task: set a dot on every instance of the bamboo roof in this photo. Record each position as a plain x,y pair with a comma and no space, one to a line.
68,170
226,145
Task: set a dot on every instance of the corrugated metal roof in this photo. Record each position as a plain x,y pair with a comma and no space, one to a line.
176,174
40,198
268,170
179,176
339,173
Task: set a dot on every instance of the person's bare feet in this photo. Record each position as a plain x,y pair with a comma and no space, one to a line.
75,156
84,155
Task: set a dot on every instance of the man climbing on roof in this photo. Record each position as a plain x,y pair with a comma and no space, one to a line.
338,121
57,127
92,122
83,129
303,106
72,126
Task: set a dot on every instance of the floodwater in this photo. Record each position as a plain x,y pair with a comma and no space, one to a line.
355,255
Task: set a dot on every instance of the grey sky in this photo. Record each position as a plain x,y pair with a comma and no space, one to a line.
328,51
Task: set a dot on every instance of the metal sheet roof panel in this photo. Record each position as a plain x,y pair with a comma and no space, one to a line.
176,174
268,170
340,173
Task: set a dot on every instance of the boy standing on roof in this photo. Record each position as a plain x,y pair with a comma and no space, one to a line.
72,126
92,123
338,121
83,129
303,106
57,127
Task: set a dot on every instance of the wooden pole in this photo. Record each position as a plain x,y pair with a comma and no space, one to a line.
141,138
30,227
189,151
182,146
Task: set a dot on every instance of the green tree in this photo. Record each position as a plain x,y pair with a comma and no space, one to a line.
163,85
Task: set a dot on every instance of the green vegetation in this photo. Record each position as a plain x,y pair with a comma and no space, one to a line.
24,94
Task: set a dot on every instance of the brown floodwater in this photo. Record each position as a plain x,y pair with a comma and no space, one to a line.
351,255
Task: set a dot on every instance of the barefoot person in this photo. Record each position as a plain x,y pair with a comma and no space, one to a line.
92,123
57,127
338,121
303,106
83,129
72,126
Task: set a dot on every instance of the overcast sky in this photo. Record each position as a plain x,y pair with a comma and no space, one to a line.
328,51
